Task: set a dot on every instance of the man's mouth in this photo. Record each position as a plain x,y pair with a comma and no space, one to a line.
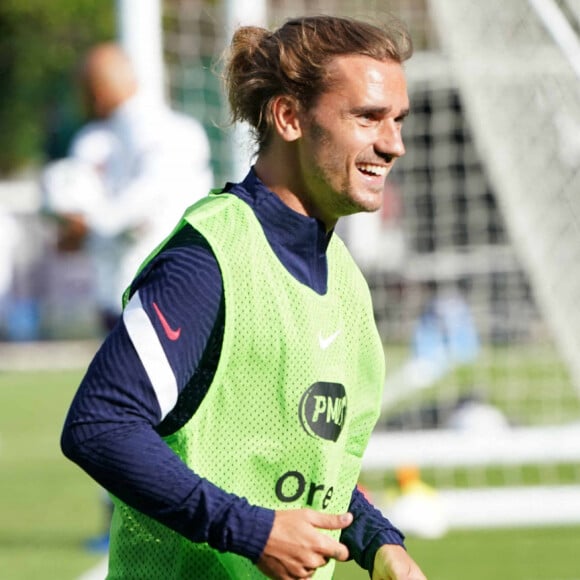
372,169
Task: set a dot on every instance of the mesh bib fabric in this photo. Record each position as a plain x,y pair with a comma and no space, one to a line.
292,404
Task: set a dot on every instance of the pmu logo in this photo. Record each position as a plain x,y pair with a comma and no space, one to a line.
323,410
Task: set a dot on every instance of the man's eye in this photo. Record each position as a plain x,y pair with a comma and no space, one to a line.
368,117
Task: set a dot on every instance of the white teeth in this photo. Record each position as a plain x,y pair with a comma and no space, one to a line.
378,170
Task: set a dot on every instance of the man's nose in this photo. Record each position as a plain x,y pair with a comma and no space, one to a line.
390,141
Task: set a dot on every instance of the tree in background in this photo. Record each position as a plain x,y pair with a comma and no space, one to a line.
40,46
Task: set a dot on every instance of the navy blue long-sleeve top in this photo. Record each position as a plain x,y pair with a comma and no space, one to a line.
125,403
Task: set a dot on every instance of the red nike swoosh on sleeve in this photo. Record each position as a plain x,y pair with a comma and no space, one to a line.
169,332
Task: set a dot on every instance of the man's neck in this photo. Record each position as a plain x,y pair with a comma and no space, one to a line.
279,175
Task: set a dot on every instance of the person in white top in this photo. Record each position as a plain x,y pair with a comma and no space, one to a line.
11,237
130,174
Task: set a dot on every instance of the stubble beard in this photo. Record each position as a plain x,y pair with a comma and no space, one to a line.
342,198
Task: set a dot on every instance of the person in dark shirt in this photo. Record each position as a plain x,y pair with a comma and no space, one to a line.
229,408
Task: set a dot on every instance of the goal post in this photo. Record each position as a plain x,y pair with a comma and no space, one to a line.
140,33
518,68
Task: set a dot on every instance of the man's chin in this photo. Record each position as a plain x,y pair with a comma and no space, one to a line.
369,204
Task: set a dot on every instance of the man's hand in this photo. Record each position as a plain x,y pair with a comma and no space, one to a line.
296,547
393,563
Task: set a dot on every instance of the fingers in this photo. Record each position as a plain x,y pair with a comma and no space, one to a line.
331,548
330,521
309,572
297,546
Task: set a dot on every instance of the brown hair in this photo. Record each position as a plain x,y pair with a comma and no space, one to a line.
262,65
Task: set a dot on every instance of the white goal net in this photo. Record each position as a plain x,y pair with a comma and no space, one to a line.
473,260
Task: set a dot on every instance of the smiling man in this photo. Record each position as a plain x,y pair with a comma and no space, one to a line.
228,412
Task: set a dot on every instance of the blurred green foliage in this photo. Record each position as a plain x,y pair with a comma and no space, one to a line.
41,44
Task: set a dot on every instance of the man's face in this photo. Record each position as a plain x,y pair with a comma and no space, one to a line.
351,137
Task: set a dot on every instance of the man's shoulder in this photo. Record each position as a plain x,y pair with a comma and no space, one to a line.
169,128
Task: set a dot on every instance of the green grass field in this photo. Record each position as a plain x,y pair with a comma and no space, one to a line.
48,506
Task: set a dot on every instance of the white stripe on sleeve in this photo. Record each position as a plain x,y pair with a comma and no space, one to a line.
151,353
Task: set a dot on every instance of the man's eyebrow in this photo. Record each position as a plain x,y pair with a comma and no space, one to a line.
404,113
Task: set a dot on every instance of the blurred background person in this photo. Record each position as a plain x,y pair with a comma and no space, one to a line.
10,236
130,173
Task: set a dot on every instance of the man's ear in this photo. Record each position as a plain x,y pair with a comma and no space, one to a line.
286,118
